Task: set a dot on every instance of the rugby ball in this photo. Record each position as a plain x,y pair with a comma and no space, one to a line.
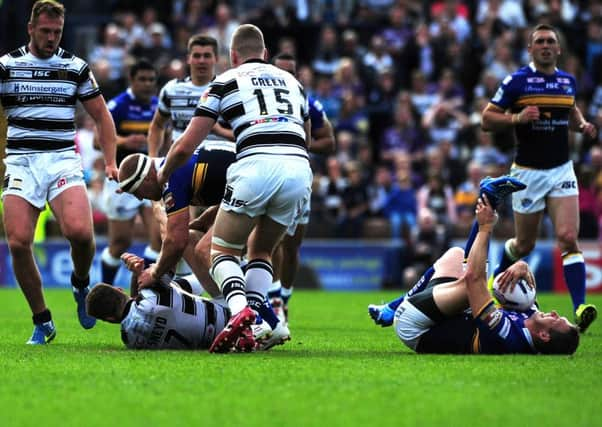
520,298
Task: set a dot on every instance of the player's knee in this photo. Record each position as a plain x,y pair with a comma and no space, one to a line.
567,239
78,235
19,243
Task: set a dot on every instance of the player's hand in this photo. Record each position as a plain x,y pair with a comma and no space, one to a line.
133,262
528,114
588,129
112,172
512,274
145,279
486,216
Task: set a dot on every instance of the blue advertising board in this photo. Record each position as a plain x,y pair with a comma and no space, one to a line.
339,265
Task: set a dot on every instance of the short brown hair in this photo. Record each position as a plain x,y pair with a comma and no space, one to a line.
105,301
52,8
202,40
543,27
559,342
247,40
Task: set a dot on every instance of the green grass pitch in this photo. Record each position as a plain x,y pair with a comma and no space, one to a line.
338,370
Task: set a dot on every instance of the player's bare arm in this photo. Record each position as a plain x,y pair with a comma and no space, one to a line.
181,150
156,133
577,123
476,275
323,141
224,132
173,247
494,118
107,135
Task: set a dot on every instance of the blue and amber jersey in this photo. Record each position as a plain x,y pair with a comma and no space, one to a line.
202,180
501,331
542,144
131,117
316,113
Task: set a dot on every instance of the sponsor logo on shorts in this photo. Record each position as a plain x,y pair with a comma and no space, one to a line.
6,181
526,202
61,182
231,201
567,185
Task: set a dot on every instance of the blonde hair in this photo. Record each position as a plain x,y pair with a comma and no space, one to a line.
52,8
247,41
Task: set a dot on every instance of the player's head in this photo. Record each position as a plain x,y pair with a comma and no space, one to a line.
553,334
247,43
202,57
143,79
286,61
544,45
138,176
45,27
106,302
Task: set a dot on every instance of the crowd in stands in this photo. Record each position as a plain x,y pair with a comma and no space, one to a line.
404,84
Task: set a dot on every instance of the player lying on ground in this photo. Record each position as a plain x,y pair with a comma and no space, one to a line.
166,315
199,182
435,319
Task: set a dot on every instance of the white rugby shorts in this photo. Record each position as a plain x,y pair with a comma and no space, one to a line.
120,206
541,183
269,185
410,324
40,177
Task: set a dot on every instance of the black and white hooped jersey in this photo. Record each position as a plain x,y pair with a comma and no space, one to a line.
265,106
171,318
39,97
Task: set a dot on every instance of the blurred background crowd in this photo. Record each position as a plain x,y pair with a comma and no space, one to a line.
403,83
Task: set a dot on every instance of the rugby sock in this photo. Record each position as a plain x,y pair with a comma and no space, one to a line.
258,277
150,256
574,275
109,266
78,283
274,291
42,317
508,258
286,294
418,287
226,272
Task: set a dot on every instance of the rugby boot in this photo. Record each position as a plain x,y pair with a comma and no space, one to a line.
43,333
225,341
497,189
585,316
381,314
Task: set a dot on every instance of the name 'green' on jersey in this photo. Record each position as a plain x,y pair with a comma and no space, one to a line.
171,318
266,107
39,97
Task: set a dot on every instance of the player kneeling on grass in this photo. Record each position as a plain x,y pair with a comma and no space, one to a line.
164,316
432,317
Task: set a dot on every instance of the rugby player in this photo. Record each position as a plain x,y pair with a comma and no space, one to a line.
538,102
132,111
40,84
435,318
286,256
269,184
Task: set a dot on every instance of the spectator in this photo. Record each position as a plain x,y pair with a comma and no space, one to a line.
111,50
